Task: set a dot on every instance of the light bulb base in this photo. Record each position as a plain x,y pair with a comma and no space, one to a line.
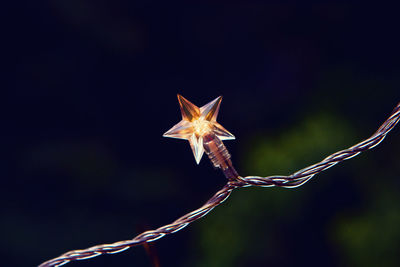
219,155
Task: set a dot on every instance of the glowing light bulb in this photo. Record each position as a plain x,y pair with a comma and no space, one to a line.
200,127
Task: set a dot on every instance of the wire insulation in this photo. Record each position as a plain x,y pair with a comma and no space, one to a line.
294,180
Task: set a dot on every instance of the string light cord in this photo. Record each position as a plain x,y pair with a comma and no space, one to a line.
302,176
294,180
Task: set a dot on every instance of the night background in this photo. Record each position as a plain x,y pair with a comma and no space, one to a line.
90,87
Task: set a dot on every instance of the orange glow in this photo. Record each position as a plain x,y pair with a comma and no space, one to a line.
201,126
196,122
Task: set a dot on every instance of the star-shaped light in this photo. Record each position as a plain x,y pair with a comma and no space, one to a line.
197,122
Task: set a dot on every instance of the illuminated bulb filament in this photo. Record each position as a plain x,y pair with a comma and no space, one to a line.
201,126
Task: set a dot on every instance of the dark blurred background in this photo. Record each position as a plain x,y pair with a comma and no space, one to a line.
90,87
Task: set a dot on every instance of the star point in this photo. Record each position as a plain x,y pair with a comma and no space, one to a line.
197,122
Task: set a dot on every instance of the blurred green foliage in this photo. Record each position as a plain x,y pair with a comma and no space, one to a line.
263,222
230,236
371,237
298,146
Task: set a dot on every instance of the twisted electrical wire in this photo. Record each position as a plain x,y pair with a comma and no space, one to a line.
148,236
302,176
294,180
